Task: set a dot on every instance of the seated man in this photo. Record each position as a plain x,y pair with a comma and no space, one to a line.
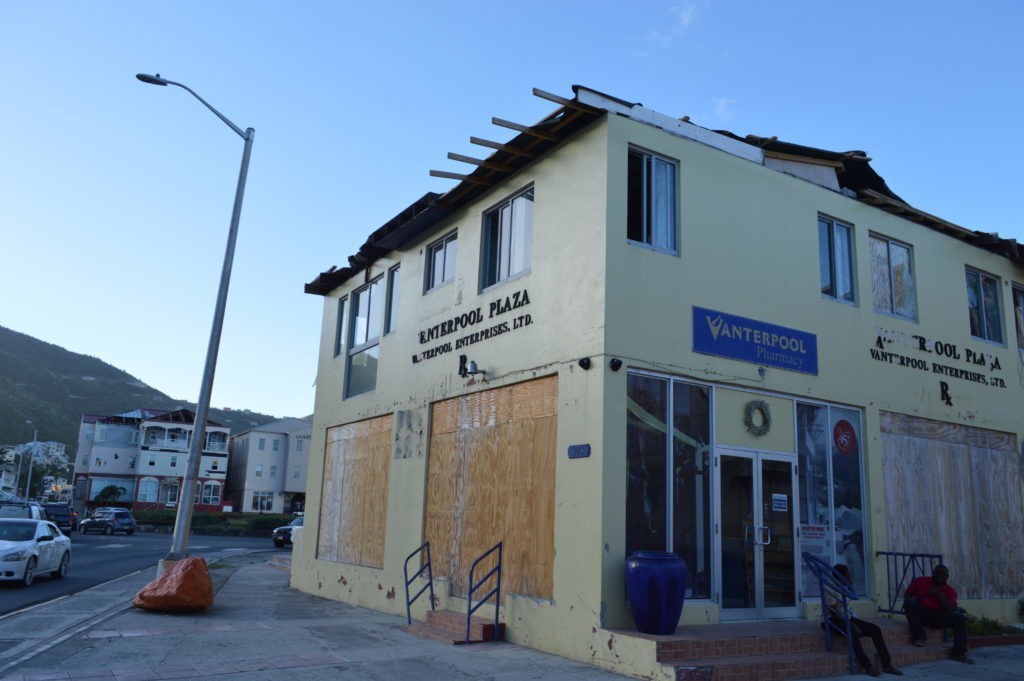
858,628
931,601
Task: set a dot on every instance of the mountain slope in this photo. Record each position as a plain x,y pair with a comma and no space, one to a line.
53,387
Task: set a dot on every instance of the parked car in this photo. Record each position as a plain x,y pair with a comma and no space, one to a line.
109,521
29,510
32,547
283,535
63,516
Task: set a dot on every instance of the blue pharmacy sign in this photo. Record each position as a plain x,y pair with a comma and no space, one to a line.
748,340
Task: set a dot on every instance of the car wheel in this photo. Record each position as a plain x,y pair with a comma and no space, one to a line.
83,529
62,570
30,572
130,532
279,544
108,530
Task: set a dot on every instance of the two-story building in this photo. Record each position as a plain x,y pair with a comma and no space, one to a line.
143,454
269,467
623,331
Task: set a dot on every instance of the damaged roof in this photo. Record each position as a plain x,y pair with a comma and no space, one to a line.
855,175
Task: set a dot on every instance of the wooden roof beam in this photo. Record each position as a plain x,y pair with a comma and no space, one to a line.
524,129
568,103
502,147
480,162
461,178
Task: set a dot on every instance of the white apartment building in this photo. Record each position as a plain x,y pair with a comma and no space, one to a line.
269,466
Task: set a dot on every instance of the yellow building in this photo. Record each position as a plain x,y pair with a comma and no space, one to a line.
623,331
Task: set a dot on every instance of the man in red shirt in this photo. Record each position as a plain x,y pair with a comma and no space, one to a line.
931,601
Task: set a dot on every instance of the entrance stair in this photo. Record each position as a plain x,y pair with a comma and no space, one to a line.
776,651
448,626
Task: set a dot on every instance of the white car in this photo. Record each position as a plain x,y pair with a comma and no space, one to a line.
31,547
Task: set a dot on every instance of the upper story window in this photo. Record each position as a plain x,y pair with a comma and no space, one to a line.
263,444
391,314
983,306
298,445
651,201
367,316
276,445
835,249
440,262
892,278
259,471
507,238
1018,316
342,325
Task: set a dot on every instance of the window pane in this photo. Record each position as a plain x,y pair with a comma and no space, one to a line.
504,242
843,263
1018,316
339,336
881,281
449,260
437,266
663,221
812,459
645,460
522,234
993,316
392,300
635,197
376,313
846,494
974,304
904,293
361,311
691,484
362,371
825,257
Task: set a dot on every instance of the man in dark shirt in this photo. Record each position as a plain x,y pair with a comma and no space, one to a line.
931,601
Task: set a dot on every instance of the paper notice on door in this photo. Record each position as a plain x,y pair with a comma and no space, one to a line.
780,502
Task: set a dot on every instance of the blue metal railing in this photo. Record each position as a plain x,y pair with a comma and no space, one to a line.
901,569
496,591
835,593
424,548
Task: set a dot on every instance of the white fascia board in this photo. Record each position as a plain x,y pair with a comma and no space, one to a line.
672,125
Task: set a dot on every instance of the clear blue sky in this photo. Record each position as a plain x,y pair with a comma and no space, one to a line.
115,196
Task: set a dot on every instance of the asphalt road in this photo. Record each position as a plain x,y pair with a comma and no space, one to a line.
97,558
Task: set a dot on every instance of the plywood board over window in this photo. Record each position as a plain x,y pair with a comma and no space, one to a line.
353,515
955,490
491,477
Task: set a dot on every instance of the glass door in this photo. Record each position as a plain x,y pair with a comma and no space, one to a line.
758,545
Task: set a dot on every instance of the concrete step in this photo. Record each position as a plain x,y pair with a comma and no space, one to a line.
455,622
437,634
774,667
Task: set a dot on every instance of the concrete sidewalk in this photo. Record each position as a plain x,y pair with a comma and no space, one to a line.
259,629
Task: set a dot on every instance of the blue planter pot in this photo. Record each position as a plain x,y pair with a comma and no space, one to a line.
656,588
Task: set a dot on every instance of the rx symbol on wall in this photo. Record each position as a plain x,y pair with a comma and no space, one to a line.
944,393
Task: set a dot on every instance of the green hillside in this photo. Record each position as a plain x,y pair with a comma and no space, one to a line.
52,387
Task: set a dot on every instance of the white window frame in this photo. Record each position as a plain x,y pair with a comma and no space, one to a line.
889,243
431,281
273,471
1017,291
341,327
650,198
296,472
262,444
834,273
391,302
985,322
373,329
211,493
259,471
506,224
152,489
275,445
262,501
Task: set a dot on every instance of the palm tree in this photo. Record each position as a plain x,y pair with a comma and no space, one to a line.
109,493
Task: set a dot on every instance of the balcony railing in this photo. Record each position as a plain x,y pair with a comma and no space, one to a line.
179,444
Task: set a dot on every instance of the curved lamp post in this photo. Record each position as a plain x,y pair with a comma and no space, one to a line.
183,519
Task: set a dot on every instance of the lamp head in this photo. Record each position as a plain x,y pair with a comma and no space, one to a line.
152,80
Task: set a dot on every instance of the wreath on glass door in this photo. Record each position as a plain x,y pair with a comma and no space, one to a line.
761,407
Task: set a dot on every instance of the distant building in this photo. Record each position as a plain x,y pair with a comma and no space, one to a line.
144,453
269,465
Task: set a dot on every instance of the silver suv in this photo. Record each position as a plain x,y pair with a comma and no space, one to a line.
109,521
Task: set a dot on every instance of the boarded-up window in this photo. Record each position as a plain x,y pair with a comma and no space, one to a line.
955,490
353,514
491,478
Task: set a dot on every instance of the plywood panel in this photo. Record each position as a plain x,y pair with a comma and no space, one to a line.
353,512
506,454
949,491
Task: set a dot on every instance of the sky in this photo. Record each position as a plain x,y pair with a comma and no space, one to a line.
115,196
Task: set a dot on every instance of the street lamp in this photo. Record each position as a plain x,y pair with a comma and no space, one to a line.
183,519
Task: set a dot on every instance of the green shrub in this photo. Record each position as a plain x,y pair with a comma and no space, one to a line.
986,626
159,518
268,522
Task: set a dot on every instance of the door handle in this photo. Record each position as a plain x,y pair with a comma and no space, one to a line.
766,535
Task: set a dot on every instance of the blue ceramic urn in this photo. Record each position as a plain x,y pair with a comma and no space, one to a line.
656,588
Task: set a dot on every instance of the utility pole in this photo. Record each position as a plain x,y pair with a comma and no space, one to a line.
31,458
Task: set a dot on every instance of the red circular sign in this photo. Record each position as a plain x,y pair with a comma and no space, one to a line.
845,437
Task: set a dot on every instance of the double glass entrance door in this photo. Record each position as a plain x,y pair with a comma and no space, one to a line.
758,540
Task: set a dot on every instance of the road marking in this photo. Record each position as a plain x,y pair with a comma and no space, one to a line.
112,546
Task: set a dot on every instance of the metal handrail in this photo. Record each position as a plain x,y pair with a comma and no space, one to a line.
424,547
832,583
897,567
496,591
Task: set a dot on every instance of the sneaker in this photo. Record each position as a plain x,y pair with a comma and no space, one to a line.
889,669
918,643
871,671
